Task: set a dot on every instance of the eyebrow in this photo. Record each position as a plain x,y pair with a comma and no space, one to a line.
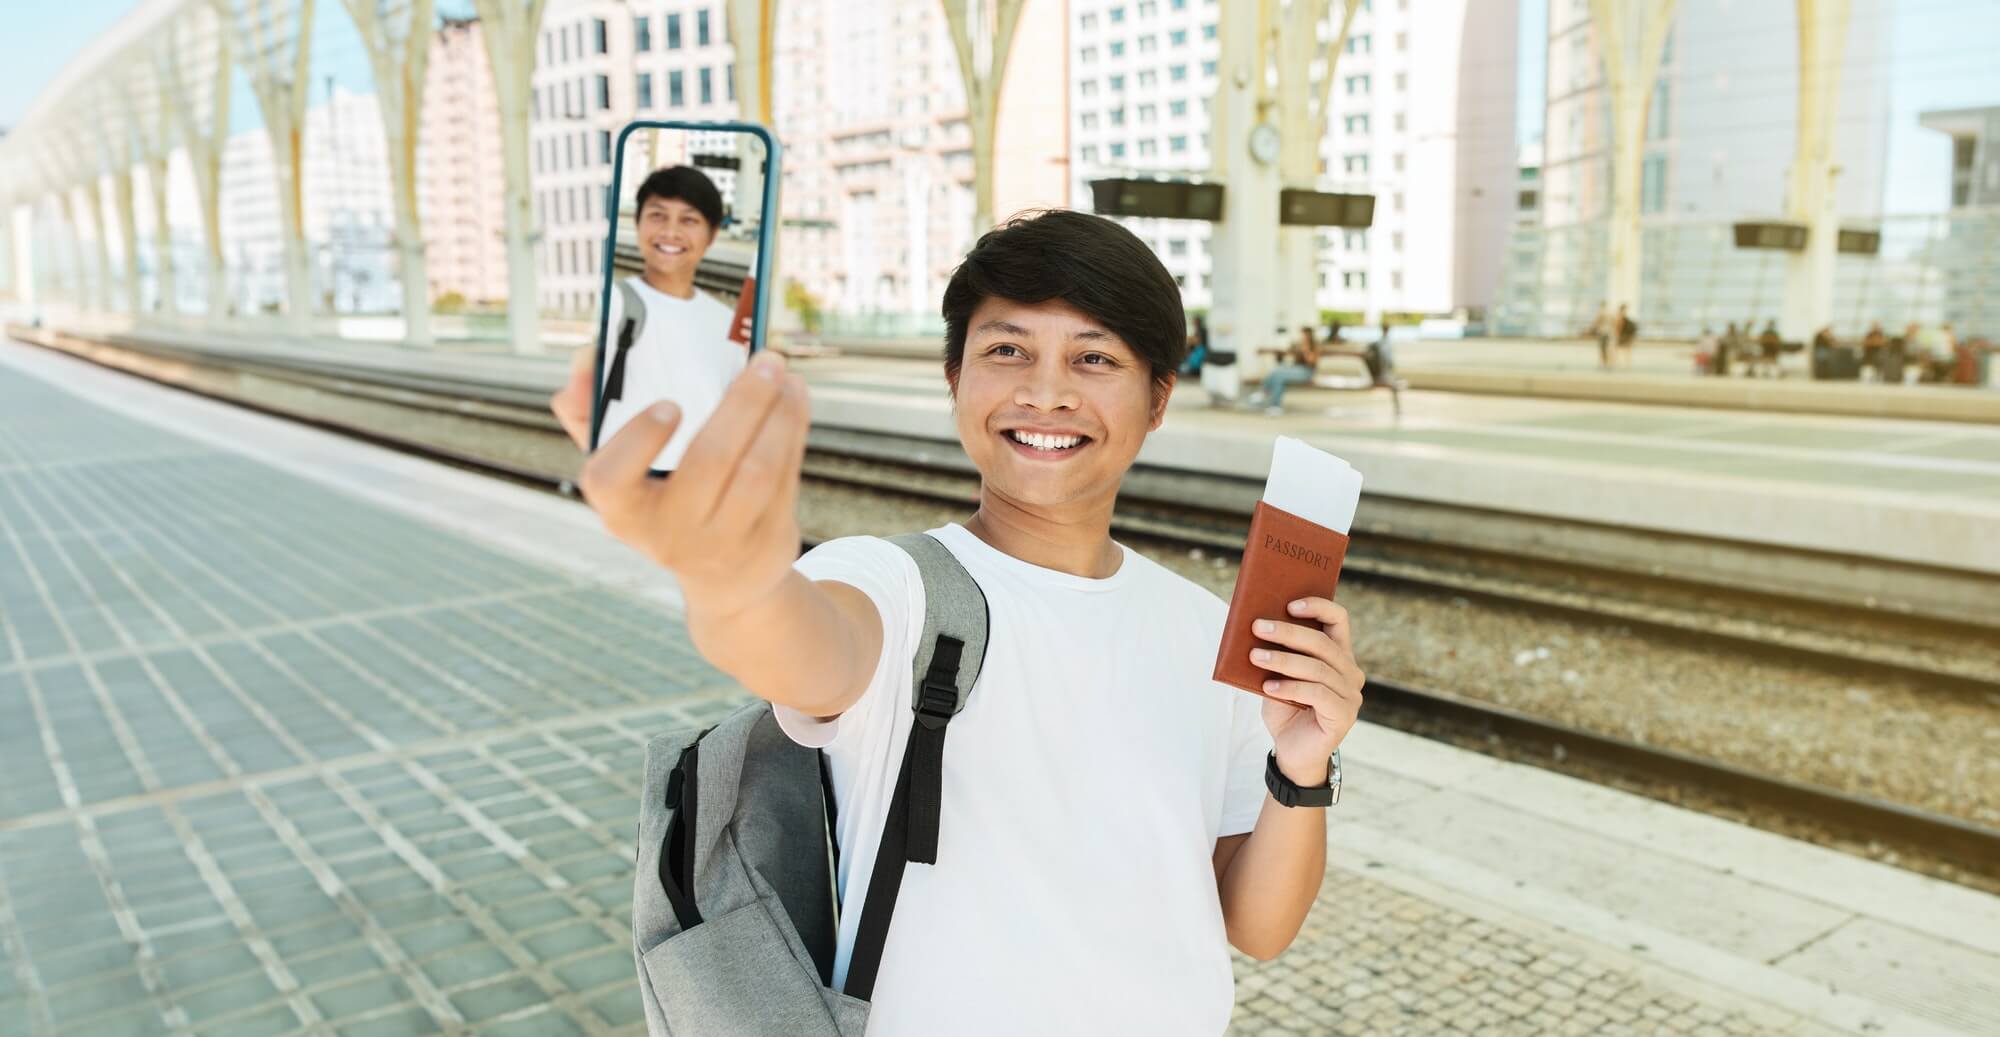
1005,327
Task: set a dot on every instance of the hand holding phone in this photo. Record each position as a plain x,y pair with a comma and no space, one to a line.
726,524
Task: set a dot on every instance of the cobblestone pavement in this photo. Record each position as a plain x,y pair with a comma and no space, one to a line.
275,761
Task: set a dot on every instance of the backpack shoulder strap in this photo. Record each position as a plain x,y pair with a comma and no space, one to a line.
634,309
949,655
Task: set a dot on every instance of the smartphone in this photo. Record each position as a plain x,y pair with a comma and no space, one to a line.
685,302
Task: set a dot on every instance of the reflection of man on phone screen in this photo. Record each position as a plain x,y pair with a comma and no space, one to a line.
679,348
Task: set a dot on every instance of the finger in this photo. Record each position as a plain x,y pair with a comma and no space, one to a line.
796,409
1328,614
572,402
717,447
1291,664
1312,640
757,486
621,463
1306,695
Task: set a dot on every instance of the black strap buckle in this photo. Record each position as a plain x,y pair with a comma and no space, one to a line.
937,703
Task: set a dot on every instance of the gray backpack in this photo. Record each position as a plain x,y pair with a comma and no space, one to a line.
734,908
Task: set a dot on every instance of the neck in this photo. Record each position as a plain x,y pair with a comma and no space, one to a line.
1075,539
680,286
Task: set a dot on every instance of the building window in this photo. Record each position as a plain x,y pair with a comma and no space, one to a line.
1177,247
1359,44
1087,55
707,86
1117,48
1177,109
701,28
642,33
1208,69
1087,88
675,96
1355,163
537,95
673,31
1402,80
1653,184
1088,120
1399,162
1208,31
1149,113
644,90
1354,279
1148,44
1087,22
1396,241
603,93
569,152
1396,280
1117,149
1398,201
729,80
1357,85
1402,41
1117,84
600,39
1357,124
1177,73
1400,122
1118,116
1148,77
1177,38
1117,15
1148,147
1148,8
604,146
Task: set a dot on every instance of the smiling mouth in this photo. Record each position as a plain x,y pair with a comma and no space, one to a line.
1046,444
672,250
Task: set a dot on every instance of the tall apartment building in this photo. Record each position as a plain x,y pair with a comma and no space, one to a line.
1421,116
1719,143
347,218
600,65
459,178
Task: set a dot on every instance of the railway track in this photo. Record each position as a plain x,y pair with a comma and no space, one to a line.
1160,507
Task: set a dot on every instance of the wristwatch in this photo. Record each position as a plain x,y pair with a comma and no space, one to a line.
1288,793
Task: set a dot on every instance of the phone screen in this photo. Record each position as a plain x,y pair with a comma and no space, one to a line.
687,276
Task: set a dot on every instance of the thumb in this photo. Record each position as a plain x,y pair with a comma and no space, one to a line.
628,455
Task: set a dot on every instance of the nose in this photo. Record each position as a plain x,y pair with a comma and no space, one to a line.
1046,386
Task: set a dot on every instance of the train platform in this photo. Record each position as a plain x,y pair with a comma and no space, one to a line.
298,735
1656,373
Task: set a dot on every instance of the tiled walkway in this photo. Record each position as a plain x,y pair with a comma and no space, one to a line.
272,758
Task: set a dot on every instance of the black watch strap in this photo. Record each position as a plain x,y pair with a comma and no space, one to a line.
1290,794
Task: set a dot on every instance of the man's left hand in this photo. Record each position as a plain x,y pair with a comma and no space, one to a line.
1314,695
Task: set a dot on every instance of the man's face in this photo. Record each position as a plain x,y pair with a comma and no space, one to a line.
673,235
1051,406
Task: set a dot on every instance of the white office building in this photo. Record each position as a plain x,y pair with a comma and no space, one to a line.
1421,116
348,221
600,65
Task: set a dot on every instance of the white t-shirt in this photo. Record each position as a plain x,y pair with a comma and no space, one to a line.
683,353
1085,785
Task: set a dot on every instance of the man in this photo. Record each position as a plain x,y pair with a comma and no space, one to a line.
1294,367
682,350
1105,826
1628,333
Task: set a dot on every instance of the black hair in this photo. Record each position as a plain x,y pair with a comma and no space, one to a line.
687,184
1091,263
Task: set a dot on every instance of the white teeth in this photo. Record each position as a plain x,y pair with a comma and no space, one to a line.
1046,442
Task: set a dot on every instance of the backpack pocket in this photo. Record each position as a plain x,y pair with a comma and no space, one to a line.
735,975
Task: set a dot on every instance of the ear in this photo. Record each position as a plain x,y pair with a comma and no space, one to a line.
1162,392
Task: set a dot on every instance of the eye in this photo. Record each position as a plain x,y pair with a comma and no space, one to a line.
1003,349
1097,358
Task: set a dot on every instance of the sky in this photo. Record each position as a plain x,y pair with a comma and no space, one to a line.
1929,47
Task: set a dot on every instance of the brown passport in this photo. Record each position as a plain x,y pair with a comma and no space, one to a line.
746,305
1285,558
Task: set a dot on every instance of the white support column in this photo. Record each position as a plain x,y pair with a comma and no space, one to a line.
1244,316
201,116
1302,115
509,28
148,109
276,53
80,177
399,46
1812,199
122,152
1631,44
982,31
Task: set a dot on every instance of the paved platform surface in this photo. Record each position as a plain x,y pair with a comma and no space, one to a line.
299,736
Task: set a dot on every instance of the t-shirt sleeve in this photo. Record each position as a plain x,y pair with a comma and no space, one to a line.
1249,742
888,576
